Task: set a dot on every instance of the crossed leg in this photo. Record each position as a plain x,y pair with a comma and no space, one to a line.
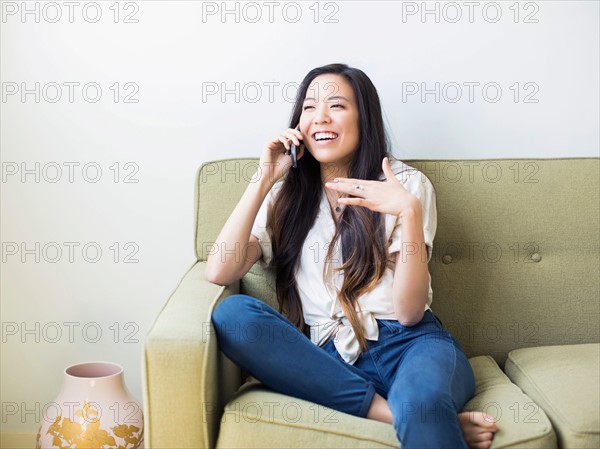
257,337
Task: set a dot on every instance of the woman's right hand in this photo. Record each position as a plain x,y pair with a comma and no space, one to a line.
276,158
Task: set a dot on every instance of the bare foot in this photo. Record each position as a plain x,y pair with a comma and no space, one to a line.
478,429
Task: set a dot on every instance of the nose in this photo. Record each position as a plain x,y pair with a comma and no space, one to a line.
321,115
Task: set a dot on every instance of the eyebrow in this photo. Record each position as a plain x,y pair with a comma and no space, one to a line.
330,98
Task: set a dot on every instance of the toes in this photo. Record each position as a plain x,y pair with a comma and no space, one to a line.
482,445
474,439
482,419
479,445
488,420
478,429
484,436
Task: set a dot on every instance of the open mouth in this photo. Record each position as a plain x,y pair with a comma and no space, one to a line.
324,136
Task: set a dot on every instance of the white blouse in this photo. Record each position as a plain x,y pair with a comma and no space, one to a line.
322,311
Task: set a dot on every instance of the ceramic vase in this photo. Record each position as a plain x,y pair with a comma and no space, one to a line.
92,410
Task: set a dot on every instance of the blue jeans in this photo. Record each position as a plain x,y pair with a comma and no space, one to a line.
421,370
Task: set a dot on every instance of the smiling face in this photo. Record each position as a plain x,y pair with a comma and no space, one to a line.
330,124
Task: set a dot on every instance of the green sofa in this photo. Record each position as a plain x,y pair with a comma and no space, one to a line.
515,275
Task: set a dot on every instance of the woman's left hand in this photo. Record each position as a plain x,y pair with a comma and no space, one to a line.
388,197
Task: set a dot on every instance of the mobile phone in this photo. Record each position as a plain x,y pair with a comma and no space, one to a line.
294,151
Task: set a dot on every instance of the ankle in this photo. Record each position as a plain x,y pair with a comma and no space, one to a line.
380,410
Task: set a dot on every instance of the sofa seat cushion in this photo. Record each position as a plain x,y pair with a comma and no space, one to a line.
521,423
258,417
565,382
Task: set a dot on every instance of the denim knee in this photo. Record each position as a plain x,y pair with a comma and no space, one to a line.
234,308
235,313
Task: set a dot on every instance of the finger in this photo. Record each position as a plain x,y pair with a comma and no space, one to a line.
387,169
354,202
353,181
285,142
292,137
345,188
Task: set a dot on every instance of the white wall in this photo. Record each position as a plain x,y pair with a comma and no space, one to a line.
170,55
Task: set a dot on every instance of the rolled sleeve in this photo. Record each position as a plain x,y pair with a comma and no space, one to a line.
420,186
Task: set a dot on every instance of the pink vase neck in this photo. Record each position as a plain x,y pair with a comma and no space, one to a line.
99,376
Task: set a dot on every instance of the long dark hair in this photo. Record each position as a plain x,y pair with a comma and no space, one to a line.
362,231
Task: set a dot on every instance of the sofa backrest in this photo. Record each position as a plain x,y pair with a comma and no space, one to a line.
516,254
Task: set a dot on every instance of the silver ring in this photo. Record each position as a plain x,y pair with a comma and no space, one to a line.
359,187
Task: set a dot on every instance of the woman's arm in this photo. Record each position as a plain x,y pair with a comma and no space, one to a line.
411,276
235,250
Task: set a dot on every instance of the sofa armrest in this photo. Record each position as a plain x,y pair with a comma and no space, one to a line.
187,380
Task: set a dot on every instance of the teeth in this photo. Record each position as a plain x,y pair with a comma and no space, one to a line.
325,135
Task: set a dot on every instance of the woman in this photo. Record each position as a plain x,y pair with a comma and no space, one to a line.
349,235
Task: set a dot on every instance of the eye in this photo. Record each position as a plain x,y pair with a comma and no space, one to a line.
333,105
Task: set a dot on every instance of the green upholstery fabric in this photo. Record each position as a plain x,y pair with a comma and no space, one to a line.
187,380
521,423
514,265
565,382
549,236
509,251
257,417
